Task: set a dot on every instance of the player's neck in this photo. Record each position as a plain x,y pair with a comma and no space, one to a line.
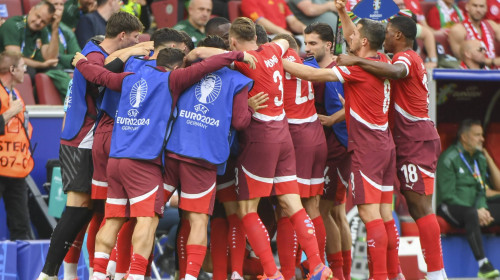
364,53
402,48
247,46
109,45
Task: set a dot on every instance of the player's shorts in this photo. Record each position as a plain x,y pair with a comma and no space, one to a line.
198,185
265,169
100,156
226,189
337,173
416,165
168,190
76,168
372,176
311,161
135,188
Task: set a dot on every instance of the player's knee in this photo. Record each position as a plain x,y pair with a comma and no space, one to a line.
78,199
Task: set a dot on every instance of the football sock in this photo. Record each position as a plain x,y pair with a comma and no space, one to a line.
237,242
286,242
218,247
392,249
430,240
376,239
304,229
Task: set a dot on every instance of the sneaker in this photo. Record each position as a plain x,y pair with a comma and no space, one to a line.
487,271
321,272
277,276
236,276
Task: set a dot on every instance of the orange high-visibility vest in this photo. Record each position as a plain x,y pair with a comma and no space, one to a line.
15,154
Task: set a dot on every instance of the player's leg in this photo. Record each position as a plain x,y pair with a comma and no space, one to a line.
219,242
339,216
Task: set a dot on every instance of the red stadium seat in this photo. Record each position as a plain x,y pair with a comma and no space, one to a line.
492,141
46,91
165,13
10,8
27,4
233,8
443,40
426,7
26,90
448,134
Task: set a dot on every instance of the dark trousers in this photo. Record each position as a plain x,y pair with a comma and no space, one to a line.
15,196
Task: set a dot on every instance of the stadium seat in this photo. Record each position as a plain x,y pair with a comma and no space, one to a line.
443,40
233,8
27,4
492,140
10,8
165,13
46,91
426,7
447,132
26,90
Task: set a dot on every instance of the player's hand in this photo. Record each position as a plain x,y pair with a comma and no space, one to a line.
15,105
255,101
326,120
78,56
50,63
340,4
250,60
342,100
347,60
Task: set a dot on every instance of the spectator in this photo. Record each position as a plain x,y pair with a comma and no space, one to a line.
14,128
219,26
68,46
73,9
274,16
444,15
199,12
133,7
464,172
472,53
28,34
475,26
310,11
94,23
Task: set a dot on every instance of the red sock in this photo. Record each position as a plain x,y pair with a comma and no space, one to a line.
376,239
218,247
182,238
237,243
304,229
195,257
94,225
148,267
319,229
430,240
335,263
138,264
286,241
100,262
124,246
392,249
346,258
258,238
73,254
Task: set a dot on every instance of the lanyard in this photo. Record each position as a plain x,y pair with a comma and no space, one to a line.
24,40
9,91
62,39
476,173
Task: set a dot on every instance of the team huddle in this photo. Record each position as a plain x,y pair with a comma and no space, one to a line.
146,120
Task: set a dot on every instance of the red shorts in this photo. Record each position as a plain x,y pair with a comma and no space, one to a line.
416,165
100,156
372,176
226,189
265,169
198,185
337,178
135,188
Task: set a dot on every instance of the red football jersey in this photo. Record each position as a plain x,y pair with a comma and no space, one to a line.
299,95
411,100
268,77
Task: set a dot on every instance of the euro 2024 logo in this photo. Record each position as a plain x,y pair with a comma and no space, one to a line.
137,95
207,91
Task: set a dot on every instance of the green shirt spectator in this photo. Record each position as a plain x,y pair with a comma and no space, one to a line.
196,34
73,9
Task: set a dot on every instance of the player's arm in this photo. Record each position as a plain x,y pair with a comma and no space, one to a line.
333,118
308,8
99,75
242,113
308,73
348,26
377,68
143,48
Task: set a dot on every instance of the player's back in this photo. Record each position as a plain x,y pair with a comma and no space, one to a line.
411,100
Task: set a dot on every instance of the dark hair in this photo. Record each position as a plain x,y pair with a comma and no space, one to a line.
187,40
290,39
212,41
166,35
405,25
214,23
8,59
101,2
324,31
122,22
170,57
374,31
243,28
261,33
49,5
465,126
